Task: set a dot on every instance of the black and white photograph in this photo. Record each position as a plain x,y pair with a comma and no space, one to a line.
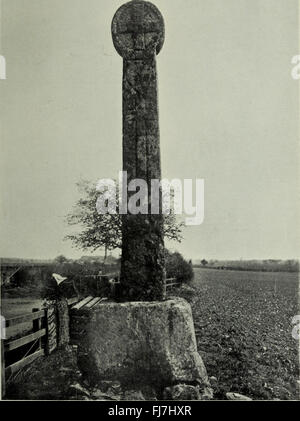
149,203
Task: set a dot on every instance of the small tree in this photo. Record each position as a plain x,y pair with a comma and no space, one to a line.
105,230
61,259
204,262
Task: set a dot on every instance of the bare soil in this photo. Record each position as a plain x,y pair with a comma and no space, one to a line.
244,335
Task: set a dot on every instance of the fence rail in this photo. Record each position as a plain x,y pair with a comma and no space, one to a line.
25,318
35,338
42,341
17,343
16,367
170,283
44,337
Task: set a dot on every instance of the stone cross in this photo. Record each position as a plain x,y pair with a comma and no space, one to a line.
138,36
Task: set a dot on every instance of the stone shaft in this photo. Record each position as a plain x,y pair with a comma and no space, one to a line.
138,33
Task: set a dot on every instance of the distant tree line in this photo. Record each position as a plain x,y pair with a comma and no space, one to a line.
268,265
38,281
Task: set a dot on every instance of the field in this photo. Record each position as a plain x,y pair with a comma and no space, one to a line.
244,331
13,307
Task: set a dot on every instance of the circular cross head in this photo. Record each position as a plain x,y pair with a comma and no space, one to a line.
138,30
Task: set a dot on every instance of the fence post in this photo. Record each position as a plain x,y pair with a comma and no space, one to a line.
2,370
36,326
63,321
51,329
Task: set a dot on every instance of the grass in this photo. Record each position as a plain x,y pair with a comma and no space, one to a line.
244,332
46,378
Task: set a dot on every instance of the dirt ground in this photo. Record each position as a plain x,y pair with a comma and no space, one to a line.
243,323
48,378
243,330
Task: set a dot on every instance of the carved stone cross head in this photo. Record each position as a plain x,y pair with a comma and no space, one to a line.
138,30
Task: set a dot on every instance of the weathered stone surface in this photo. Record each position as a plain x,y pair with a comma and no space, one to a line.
133,395
206,393
98,395
138,35
182,392
110,386
77,389
138,30
142,343
237,397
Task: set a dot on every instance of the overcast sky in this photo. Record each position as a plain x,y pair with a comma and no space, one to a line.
229,114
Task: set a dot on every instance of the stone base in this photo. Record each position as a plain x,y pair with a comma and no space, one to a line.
141,343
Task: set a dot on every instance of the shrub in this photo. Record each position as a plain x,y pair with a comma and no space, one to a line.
177,267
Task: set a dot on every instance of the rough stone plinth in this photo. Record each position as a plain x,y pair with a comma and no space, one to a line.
141,343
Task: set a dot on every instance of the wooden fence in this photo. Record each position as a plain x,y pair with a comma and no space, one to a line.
42,340
98,279
93,284
171,283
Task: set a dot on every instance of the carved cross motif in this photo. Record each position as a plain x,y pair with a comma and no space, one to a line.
138,30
